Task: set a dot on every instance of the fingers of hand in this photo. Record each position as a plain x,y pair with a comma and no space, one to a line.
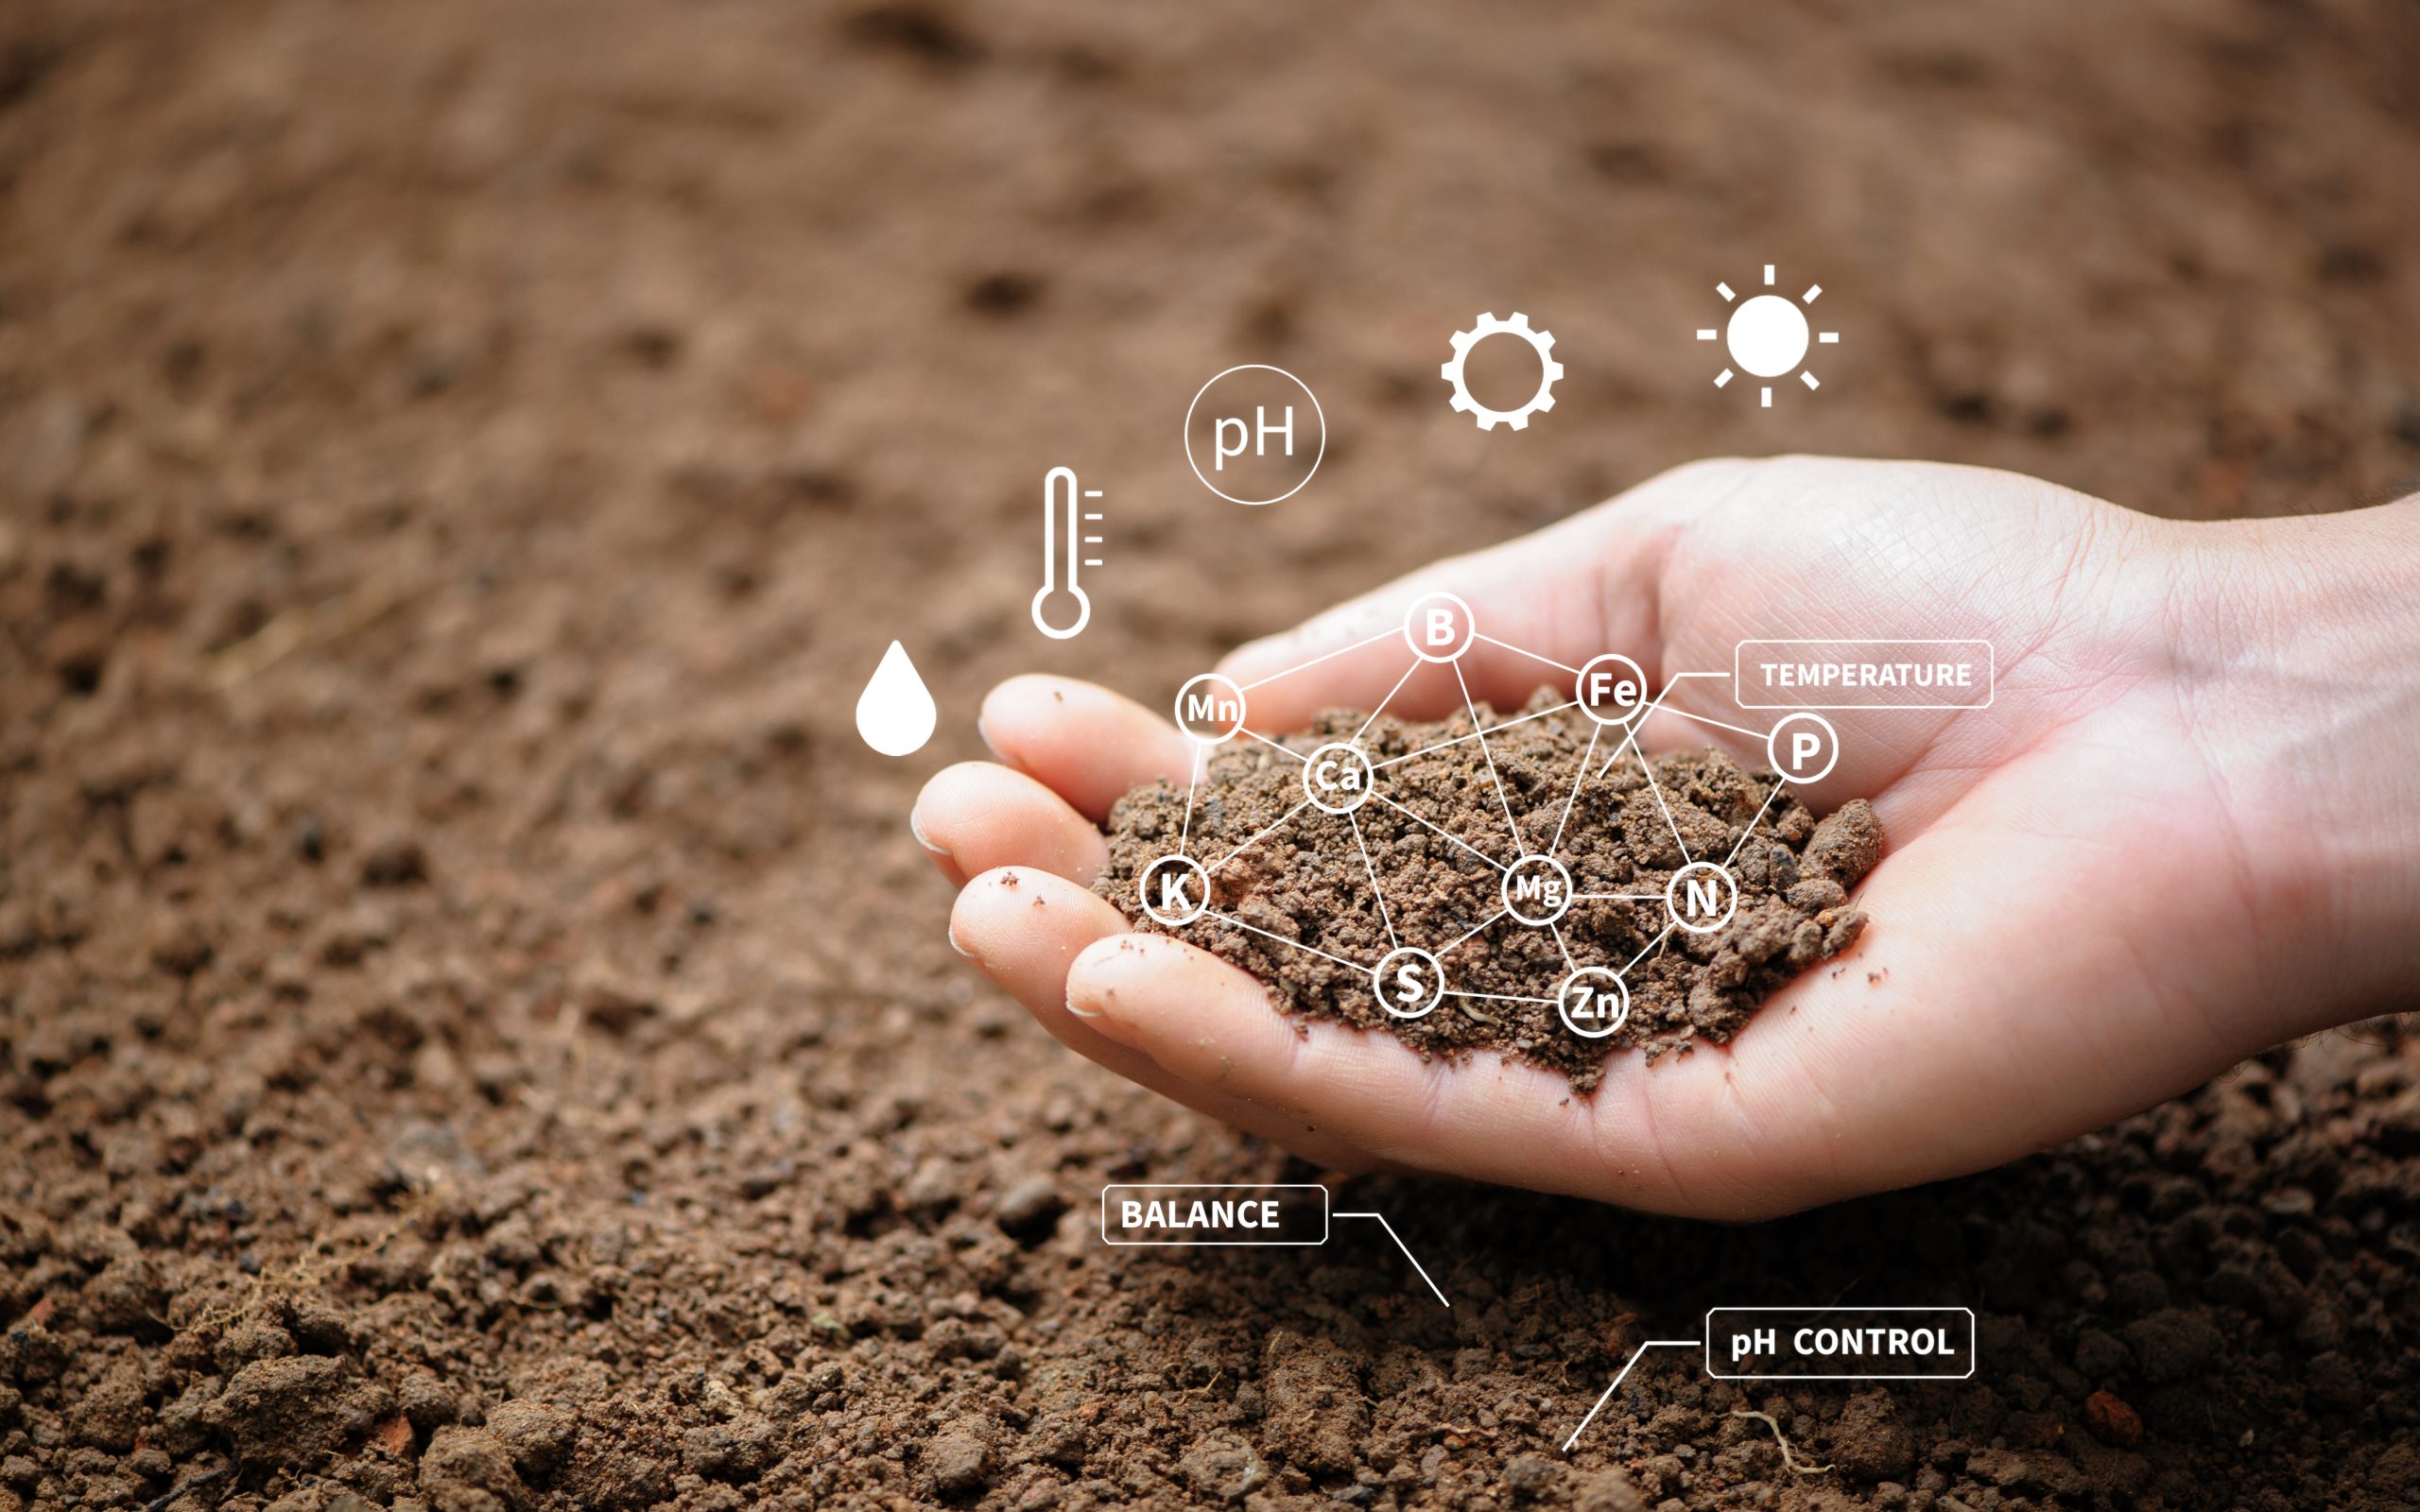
1025,927
976,815
1082,741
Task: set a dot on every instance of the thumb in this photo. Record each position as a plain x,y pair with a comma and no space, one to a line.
1527,613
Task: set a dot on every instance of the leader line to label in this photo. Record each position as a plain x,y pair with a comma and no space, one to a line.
1216,1214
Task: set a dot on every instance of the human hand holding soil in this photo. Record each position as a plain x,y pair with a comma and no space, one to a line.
2179,834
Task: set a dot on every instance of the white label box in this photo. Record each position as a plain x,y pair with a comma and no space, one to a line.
1863,674
1840,1343
1214,1215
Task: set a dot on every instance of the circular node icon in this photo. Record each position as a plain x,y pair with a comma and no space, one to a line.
1767,336
1803,748
1338,778
1611,690
1210,708
1537,890
1439,627
1250,422
1593,1002
1175,890
1408,983
1701,898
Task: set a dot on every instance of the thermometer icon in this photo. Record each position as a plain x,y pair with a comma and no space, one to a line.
1062,547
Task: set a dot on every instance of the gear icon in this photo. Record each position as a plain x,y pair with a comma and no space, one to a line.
1541,342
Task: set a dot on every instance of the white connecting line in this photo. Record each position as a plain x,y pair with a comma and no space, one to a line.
1627,745
1400,1245
1624,1375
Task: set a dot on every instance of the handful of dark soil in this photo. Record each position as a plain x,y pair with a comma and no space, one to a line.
1304,878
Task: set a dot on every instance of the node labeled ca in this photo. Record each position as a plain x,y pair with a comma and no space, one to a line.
1338,778
1255,434
1701,897
1593,1002
1408,982
1537,890
1174,890
1210,708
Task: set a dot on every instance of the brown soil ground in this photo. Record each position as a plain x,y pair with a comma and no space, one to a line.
475,1029
1323,899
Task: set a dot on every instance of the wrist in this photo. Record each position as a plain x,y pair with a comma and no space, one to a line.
2303,658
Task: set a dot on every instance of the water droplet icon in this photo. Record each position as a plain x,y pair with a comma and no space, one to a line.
896,713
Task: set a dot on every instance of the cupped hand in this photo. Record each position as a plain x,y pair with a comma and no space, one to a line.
2080,911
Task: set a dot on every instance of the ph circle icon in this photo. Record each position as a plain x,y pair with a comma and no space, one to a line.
1593,1002
1803,746
1611,690
1701,897
1338,778
1408,983
1767,336
1537,890
1210,708
1439,627
1541,342
1175,890
1261,431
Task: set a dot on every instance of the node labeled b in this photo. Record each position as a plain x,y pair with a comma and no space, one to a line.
1803,746
1593,1002
1338,778
1175,890
1408,982
1611,690
1210,708
1701,897
1439,627
1537,890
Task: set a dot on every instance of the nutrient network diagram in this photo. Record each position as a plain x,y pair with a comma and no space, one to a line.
1535,888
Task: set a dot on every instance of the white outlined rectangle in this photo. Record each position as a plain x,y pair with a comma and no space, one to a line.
1747,691
1211,1186
1838,1314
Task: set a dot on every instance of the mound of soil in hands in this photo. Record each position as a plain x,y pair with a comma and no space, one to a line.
1450,813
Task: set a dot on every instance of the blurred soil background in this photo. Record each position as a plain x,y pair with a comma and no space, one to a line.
475,1029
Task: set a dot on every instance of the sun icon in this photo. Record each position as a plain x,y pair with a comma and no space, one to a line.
1767,335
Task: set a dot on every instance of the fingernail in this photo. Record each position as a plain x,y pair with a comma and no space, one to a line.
1080,1010
983,732
956,946
916,828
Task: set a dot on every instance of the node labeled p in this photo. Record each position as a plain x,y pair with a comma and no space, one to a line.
1210,708
1803,746
1611,690
1408,982
1175,890
1593,1002
1701,897
1439,627
1338,778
